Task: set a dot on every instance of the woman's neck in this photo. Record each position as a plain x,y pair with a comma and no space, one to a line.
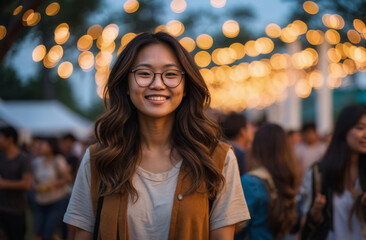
156,132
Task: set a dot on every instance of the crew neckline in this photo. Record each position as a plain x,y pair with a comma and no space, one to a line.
159,177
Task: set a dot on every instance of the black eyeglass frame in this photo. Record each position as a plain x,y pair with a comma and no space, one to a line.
153,78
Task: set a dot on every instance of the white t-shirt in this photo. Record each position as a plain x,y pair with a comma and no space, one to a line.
342,205
149,217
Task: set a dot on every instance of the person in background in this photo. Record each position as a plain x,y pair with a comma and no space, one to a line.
334,189
236,131
310,149
15,181
294,137
271,186
51,177
68,143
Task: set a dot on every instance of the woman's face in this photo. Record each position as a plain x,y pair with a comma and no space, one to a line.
356,136
156,100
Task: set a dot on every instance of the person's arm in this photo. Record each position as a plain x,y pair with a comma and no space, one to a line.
80,234
22,184
224,233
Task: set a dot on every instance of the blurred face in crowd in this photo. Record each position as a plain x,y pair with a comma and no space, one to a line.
249,131
310,137
356,137
45,148
4,142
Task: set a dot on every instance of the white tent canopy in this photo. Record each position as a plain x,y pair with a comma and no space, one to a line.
43,118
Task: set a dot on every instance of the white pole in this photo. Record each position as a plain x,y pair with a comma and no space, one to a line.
292,104
324,106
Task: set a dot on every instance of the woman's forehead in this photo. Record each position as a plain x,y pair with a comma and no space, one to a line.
156,55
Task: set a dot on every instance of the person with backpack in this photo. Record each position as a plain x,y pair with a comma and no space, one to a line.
334,189
271,186
158,170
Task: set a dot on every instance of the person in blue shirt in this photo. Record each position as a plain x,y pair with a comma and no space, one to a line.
271,186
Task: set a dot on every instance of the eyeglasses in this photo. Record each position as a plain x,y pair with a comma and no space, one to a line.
171,78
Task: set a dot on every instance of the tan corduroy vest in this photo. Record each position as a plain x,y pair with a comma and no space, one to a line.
190,213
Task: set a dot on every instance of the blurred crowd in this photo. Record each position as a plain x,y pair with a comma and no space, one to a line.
37,180
297,184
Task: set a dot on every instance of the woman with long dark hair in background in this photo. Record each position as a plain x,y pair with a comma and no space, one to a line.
334,190
158,170
271,186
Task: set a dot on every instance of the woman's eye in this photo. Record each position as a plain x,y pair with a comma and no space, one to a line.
171,74
143,73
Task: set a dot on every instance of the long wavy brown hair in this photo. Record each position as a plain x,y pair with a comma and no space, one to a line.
194,136
271,149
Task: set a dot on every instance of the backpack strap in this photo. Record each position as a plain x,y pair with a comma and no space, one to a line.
264,175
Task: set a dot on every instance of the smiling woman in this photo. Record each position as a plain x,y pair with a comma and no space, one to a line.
158,170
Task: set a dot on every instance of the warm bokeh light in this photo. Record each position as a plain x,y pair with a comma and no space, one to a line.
62,33
103,59
131,6
333,55
85,43
218,3
31,18
178,6
55,54
202,59
332,36
334,82
359,25
53,9
289,34
38,53
315,37
204,41
127,38
280,61
259,69
86,61
65,70
250,49
336,70
18,10
333,21
349,66
303,88
353,36
175,28
239,50
49,63
110,33
230,28
273,30
95,31
304,59
188,43
316,79
26,15
264,45
310,7
2,31
300,27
